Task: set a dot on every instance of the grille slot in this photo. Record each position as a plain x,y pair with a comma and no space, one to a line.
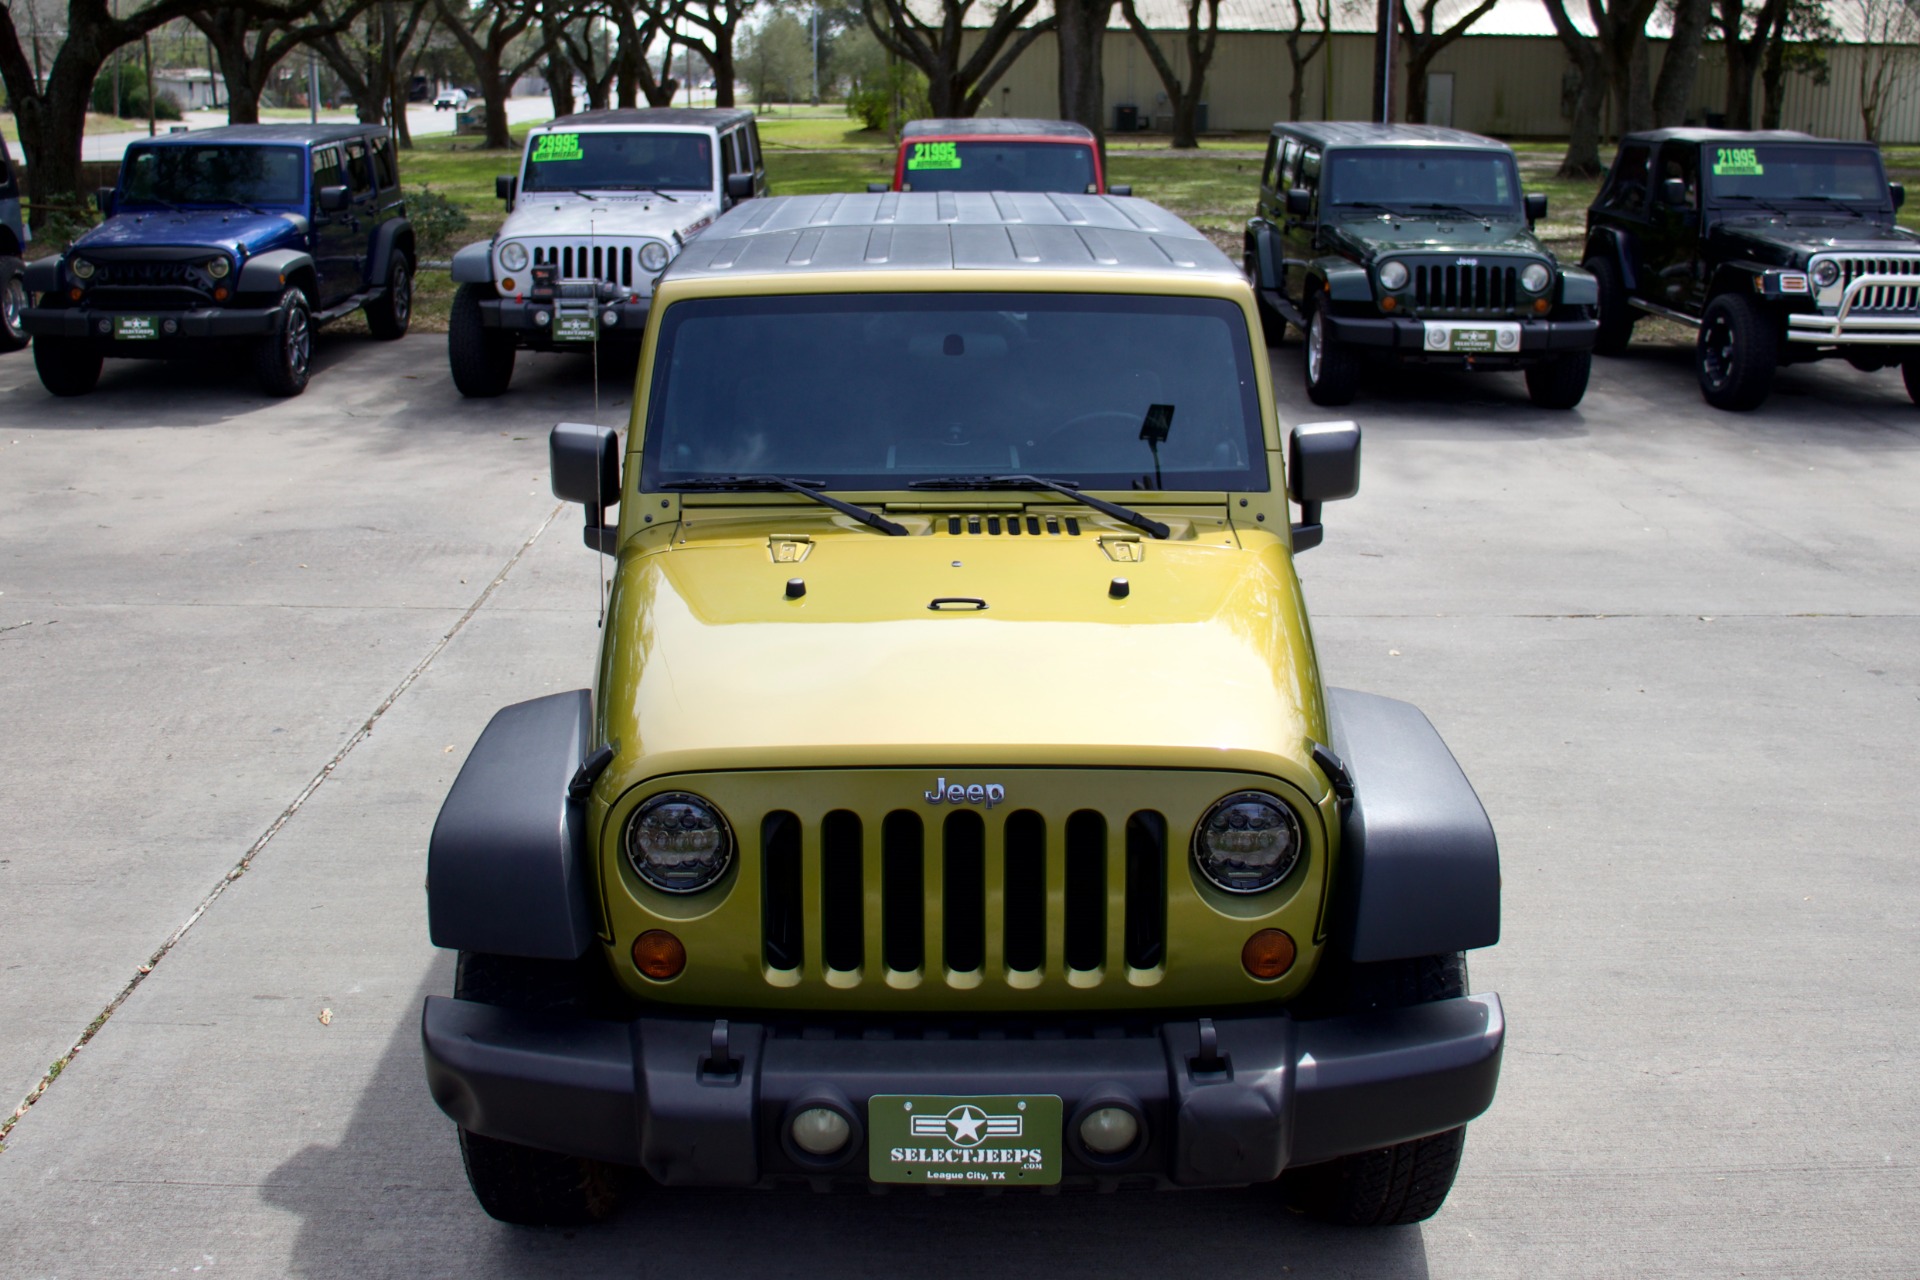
963,900
1025,877
1146,920
1882,297
780,892
1465,290
611,263
1086,925
842,887
903,938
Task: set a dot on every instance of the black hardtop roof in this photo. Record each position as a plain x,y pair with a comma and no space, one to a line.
1359,133
682,117
1733,135
285,134
996,126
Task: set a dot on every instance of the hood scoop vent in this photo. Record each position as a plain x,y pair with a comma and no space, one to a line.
974,525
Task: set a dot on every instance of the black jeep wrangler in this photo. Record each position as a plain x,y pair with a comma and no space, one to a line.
1413,243
1778,247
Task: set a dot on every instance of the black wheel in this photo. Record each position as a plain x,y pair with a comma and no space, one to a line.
282,360
1333,369
1910,373
13,304
67,366
1616,313
1735,356
1560,381
482,358
1409,1181
525,1185
388,314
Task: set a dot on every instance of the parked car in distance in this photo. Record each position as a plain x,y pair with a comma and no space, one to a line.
451,100
604,200
821,884
1777,247
999,153
14,238
1413,244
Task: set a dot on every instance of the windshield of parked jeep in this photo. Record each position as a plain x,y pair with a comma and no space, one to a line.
875,391
213,174
1773,172
1411,179
590,161
998,166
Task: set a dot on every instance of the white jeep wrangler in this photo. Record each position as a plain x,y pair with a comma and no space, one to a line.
604,200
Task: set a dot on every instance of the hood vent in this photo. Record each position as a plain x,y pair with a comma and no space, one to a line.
1050,526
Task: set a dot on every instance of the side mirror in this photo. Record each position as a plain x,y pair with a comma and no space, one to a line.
1299,202
1323,465
585,461
1898,190
332,199
1120,189
103,200
740,186
1536,202
1673,191
506,186
879,188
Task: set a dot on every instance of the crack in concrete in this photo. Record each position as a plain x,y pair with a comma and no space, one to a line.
241,867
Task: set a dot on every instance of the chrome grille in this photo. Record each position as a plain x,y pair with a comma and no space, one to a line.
611,263
1453,289
1882,295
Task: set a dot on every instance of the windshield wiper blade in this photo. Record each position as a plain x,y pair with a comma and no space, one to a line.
1368,204
1838,202
239,203
1144,523
806,488
1476,214
1764,204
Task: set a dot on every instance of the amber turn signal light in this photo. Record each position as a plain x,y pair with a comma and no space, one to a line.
1267,955
660,956
1542,305
1389,303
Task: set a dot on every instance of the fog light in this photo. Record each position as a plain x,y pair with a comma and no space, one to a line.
542,318
1268,954
1437,339
1509,340
610,316
659,955
820,1131
106,326
170,326
1109,1130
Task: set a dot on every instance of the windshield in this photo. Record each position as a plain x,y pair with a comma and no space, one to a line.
213,175
1775,171
616,161
876,391
999,166
1419,177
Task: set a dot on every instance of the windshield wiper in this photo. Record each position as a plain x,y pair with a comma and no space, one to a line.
1764,204
806,488
632,186
240,203
1114,509
1476,214
1368,204
1838,202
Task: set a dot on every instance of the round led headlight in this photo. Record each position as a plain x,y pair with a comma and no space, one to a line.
1247,842
678,843
1826,273
1393,275
80,269
219,267
1534,277
513,256
653,255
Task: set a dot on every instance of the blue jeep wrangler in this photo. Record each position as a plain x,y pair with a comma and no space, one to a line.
13,242
252,234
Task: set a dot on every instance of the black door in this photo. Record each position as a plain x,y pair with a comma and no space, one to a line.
1671,249
1300,235
337,243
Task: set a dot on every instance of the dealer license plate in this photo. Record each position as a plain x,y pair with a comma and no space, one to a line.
576,326
1472,339
1007,1140
136,328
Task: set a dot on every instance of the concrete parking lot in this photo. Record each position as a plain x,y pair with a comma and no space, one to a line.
245,645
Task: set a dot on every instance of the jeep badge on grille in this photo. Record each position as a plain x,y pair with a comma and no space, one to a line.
989,794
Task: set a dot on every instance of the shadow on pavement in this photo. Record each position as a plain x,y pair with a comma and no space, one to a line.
390,1199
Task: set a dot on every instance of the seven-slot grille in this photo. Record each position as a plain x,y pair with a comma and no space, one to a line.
1881,297
612,263
1012,524
1476,289
145,275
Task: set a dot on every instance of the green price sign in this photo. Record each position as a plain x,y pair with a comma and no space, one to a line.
556,146
934,155
1736,162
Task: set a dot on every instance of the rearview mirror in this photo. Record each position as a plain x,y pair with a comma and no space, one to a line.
1299,202
1323,465
1674,191
1898,191
1536,205
740,186
506,186
103,200
585,462
332,199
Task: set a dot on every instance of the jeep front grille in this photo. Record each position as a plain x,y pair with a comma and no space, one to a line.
1464,290
145,275
610,263
1882,295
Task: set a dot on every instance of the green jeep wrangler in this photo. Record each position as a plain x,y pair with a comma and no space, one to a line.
958,803
1413,244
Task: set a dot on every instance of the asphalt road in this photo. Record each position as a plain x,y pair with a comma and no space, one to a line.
1677,651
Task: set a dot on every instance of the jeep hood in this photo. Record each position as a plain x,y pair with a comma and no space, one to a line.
1790,241
564,213
1206,662
1370,236
238,231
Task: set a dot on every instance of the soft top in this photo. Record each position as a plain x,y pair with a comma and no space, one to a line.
996,127
1733,135
285,134
1355,133
670,117
949,231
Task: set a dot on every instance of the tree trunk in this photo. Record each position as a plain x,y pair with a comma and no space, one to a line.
627,87
51,122
1419,58
560,83
1583,137
720,60
1739,103
493,89
1080,34
1773,82
1674,89
243,102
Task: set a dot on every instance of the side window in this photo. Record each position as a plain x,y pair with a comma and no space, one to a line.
384,171
739,158
1268,168
326,168
359,170
1310,169
1680,160
1627,188
1290,166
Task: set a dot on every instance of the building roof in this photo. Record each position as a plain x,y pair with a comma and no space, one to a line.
996,126
949,231
1355,133
287,134
681,117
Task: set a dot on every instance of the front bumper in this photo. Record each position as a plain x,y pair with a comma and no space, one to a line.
195,323
697,1102
520,316
1406,337
1847,325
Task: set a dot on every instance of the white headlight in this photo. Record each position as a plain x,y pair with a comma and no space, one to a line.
219,267
653,255
678,843
1534,277
80,269
1826,273
1393,275
1247,842
513,256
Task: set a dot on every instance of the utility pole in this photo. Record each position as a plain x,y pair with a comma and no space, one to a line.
816,54
146,43
1386,13
1326,68
313,88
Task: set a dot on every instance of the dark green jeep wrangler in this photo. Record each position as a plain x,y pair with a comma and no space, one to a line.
1413,243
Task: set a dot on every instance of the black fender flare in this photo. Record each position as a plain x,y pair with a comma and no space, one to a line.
43,274
1612,244
1419,870
507,866
473,264
394,232
269,273
1735,277
1263,244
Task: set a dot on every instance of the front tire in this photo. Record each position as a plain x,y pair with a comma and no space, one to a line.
1616,313
283,360
389,314
13,304
1910,374
481,358
1559,382
1735,356
67,366
1333,368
